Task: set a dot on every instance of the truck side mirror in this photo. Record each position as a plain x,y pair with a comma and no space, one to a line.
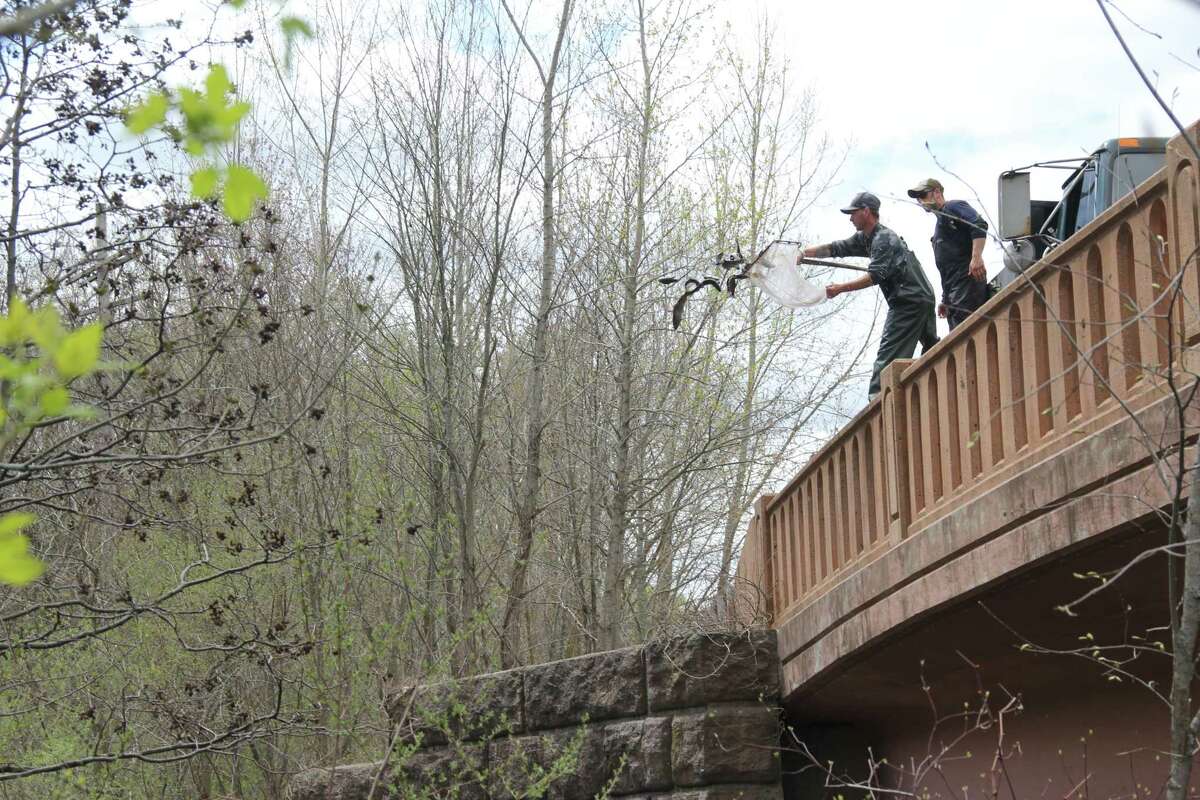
1015,219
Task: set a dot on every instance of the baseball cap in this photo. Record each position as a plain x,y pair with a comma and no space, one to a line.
862,200
927,185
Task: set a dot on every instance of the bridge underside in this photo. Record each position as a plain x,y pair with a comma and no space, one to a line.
1078,732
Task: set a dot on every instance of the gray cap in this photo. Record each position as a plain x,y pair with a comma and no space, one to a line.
924,187
862,200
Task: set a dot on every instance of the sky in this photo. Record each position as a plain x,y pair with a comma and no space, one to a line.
981,86
962,91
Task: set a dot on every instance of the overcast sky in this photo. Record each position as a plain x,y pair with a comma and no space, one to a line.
982,86
988,85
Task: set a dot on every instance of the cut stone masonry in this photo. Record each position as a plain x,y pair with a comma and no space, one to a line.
693,718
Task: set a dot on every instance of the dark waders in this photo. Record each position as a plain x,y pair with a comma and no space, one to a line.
904,326
909,321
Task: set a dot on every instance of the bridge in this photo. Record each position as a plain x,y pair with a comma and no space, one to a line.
921,553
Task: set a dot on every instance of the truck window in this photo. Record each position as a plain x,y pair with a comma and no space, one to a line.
1085,206
1130,169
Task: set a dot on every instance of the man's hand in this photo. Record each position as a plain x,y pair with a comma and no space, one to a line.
977,270
942,310
832,290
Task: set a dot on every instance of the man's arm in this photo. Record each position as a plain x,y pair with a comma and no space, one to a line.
834,289
854,246
978,227
846,247
976,267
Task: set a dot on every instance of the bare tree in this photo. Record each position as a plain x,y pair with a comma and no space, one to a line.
529,493
777,162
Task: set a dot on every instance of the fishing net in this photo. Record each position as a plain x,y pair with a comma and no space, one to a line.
778,276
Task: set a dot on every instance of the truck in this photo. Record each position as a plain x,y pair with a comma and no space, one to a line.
1030,228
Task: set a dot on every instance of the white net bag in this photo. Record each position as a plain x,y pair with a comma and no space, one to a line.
778,275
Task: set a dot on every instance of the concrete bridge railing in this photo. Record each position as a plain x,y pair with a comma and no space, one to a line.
1086,338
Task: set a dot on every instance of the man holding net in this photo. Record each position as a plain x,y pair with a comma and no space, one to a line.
897,273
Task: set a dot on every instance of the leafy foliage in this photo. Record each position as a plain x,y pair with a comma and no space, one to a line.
38,358
17,566
209,119
300,481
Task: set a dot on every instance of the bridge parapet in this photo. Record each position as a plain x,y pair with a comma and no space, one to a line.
1085,338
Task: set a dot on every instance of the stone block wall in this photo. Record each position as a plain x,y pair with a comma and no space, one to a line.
693,718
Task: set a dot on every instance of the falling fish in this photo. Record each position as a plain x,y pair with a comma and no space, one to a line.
774,270
692,286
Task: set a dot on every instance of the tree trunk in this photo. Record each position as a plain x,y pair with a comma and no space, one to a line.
14,218
527,508
529,498
1183,663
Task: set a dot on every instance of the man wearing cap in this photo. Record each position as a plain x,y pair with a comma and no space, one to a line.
958,240
897,273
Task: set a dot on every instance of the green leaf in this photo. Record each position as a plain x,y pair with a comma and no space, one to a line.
294,26
208,118
79,352
228,117
217,84
55,401
204,182
17,566
243,188
14,523
148,113
192,106
45,329
12,326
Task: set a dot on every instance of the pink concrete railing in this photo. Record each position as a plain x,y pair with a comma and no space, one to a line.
1087,333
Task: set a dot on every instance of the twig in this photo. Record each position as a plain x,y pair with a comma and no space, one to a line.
1146,80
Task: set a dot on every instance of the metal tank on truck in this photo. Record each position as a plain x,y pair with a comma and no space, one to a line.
1030,228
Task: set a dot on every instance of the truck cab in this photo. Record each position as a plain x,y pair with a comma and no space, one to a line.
1031,227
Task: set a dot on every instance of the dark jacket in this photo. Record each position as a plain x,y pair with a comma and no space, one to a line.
958,226
893,268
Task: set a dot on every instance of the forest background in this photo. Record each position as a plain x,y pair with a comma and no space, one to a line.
423,413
